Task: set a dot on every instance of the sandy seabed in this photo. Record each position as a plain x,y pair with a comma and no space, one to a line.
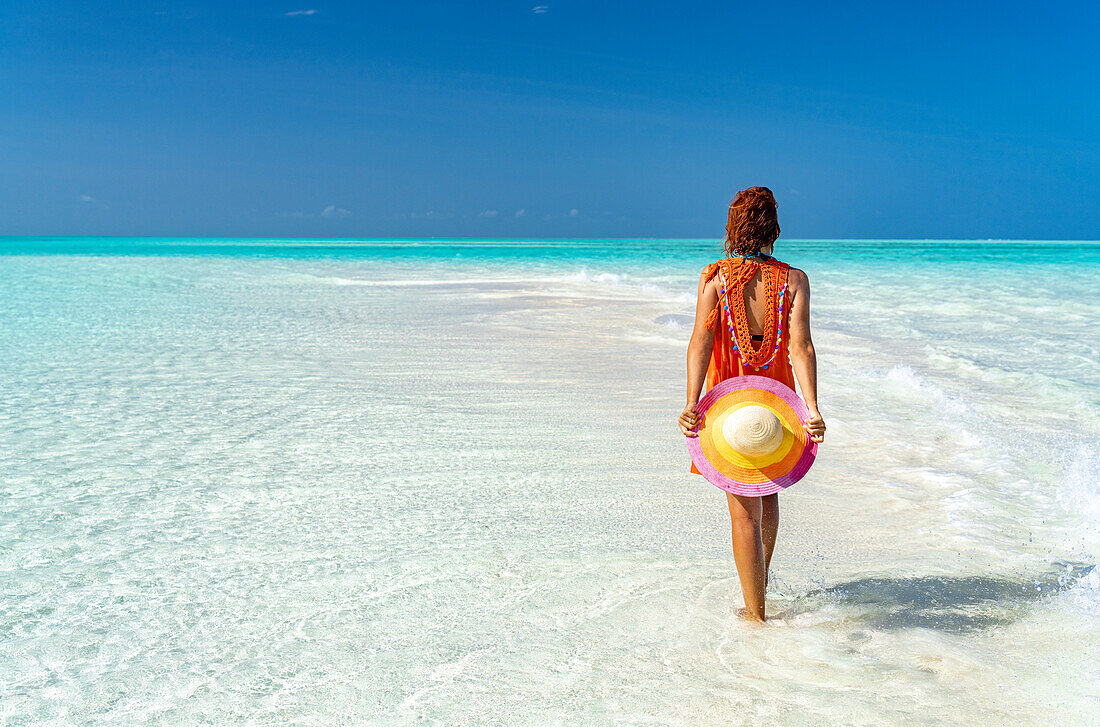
300,493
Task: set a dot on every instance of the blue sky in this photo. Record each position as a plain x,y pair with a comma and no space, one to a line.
548,119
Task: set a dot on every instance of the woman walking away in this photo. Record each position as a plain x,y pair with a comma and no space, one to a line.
765,297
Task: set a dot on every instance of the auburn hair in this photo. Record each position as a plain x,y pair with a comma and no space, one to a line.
753,222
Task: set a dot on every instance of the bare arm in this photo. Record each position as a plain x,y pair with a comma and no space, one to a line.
698,353
803,356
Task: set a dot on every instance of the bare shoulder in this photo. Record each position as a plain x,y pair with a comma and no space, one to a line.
797,280
707,279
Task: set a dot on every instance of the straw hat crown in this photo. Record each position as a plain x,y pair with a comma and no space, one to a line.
753,431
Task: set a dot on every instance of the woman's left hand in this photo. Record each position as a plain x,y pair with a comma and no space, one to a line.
689,421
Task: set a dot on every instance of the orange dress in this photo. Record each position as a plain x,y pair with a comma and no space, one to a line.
734,353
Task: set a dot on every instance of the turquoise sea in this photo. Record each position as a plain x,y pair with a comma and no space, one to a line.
388,482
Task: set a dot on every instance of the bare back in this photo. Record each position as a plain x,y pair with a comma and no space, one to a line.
755,303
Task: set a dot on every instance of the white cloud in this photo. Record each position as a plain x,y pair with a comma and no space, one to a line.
573,213
540,9
520,213
488,213
334,211
86,198
292,13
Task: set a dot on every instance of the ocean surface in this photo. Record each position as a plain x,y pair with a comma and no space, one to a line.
440,482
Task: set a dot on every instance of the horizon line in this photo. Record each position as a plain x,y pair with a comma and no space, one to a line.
529,239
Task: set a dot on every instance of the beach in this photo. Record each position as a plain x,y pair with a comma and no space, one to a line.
393,482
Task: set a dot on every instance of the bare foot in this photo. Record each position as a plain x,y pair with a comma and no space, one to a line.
743,613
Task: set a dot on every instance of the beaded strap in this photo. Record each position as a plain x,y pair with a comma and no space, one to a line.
736,319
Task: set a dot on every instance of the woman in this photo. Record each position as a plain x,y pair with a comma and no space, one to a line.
755,280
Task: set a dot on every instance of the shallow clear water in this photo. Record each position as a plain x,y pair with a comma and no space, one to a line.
257,481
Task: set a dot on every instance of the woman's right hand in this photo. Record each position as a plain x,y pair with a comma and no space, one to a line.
815,426
689,420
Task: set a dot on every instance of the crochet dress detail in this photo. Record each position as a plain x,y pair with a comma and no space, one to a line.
734,352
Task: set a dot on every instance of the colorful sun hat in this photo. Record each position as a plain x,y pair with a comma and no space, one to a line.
751,441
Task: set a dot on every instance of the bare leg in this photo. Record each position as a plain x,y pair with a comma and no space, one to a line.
769,527
748,551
